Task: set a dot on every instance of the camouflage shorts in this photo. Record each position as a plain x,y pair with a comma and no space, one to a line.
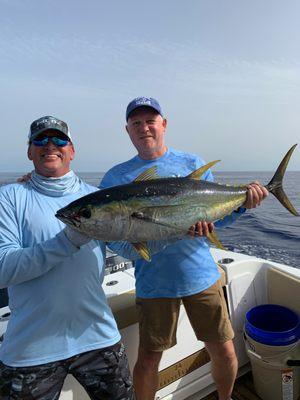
104,374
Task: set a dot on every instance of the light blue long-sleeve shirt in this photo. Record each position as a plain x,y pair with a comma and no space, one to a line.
185,267
58,306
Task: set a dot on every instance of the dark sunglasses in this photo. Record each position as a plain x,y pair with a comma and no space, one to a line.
57,141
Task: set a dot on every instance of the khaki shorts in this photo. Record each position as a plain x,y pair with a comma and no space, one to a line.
207,312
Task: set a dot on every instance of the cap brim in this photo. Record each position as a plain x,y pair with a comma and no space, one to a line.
49,129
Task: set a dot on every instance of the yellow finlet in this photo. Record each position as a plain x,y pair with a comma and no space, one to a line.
150,173
200,171
143,250
212,236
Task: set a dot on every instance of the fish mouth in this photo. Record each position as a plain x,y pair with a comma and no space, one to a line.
71,219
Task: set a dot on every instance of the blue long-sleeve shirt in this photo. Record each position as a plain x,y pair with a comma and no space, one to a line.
58,306
185,267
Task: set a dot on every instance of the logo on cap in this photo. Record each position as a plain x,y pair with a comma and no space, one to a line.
141,101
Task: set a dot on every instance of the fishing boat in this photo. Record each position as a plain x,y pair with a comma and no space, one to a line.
185,368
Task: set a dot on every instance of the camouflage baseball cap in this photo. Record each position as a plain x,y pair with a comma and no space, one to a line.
48,122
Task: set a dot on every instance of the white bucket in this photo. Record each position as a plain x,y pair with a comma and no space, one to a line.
273,378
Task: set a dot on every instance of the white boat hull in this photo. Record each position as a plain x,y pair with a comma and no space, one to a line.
184,369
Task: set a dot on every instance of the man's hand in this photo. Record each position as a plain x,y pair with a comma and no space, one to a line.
201,228
24,178
255,194
75,237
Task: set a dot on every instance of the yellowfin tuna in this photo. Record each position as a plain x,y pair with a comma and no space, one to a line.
154,208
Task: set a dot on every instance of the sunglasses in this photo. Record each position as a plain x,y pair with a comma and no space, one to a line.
57,141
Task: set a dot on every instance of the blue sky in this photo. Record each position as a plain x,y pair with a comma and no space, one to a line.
227,75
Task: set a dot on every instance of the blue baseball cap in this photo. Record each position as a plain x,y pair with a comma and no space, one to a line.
142,102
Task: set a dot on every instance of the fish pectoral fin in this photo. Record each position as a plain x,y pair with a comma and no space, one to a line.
212,237
148,218
150,173
142,250
200,171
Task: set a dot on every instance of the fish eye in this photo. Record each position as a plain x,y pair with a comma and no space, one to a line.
85,213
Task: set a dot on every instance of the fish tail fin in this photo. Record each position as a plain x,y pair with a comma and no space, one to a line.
275,184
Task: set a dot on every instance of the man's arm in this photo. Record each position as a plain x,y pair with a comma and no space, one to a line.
18,264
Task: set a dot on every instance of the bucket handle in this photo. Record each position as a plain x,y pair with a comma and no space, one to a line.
294,363
258,357
290,363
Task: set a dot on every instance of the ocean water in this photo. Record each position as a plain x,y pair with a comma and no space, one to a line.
268,231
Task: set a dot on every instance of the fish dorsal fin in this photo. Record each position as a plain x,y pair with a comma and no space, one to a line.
212,237
150,173
200,171
142,250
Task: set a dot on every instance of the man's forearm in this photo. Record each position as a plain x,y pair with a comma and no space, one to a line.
19,265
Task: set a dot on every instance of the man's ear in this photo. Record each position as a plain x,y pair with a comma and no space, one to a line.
126,127
29,153
165,123
72,155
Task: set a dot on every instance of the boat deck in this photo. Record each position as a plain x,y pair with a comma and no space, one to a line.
243,390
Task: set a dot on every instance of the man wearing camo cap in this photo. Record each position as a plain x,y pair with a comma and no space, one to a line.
60,321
